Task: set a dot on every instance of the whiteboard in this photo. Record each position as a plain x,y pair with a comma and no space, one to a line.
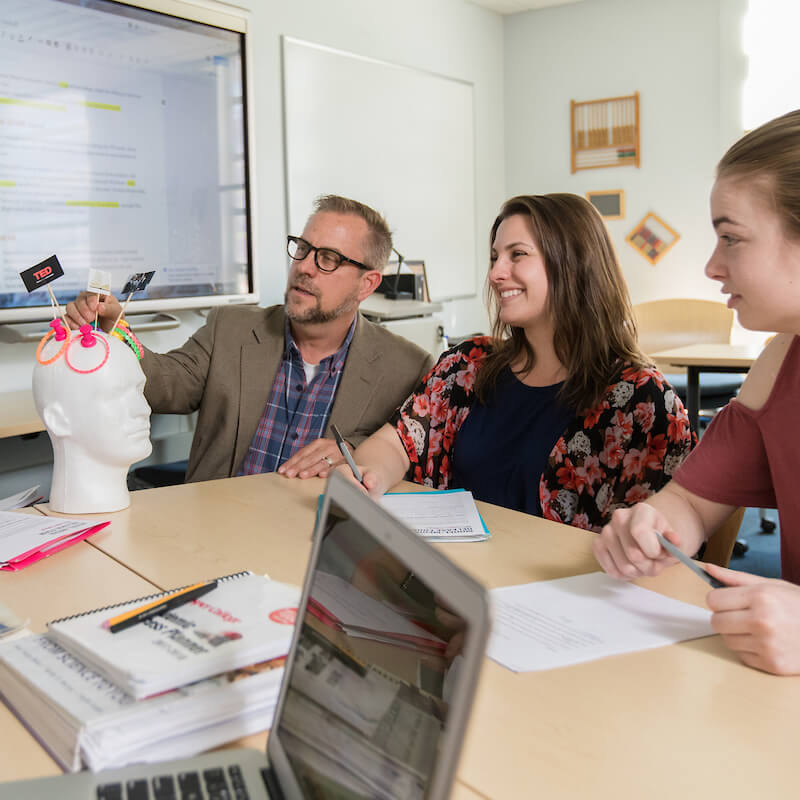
396,138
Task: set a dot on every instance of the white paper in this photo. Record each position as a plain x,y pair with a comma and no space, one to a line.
20,499
20,533
571,620
450,516
358,611
81,716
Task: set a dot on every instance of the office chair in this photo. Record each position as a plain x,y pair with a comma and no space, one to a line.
719,547
157,475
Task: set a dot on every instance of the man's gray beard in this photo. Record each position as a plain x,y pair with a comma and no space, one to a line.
316,316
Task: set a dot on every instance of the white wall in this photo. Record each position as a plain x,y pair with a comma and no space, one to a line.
683,58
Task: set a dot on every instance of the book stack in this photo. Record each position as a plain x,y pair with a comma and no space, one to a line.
200,675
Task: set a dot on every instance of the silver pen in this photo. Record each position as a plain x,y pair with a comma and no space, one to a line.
681,556
346,453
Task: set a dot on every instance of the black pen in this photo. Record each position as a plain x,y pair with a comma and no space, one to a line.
167,603
346,453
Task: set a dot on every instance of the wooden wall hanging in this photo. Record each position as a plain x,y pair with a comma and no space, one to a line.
605,133
652,237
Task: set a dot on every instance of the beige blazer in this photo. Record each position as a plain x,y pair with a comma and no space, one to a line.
226,370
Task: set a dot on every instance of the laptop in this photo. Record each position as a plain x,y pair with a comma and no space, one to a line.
379,682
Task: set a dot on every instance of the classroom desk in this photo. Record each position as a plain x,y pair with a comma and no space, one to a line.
699,358
687,719
76,579
176,535
18,414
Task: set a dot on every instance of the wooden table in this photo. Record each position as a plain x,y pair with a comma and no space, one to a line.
177,535
683,720
699,358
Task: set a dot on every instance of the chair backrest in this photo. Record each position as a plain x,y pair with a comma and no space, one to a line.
664,324
720,544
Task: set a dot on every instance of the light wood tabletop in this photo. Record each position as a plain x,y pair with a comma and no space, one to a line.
738,356
682,720
708,357
178,535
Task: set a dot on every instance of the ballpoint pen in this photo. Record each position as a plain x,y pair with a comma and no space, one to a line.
346,453
681,556
159,606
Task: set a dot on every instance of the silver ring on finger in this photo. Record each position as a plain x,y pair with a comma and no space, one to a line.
328,460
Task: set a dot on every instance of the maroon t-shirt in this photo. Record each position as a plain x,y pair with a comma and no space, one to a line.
752,458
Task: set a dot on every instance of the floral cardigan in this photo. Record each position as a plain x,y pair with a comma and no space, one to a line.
614,455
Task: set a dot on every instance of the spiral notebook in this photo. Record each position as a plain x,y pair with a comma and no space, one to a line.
246,619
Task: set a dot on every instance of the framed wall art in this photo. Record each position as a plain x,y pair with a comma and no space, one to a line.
610,203
652,237
605,133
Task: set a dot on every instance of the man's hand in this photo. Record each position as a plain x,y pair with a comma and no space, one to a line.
82,310
758,618
314,460
627,547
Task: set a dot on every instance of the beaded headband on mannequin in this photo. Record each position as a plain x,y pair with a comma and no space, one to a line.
88,338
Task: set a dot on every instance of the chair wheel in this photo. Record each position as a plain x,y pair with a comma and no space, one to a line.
740,547
768,526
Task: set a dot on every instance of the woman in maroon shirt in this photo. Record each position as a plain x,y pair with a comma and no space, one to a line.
750,454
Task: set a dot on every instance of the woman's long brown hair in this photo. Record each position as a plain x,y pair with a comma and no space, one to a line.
594,326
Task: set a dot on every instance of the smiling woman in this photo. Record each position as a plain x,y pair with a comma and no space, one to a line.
558,413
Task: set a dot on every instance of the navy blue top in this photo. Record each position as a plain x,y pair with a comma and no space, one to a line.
502,448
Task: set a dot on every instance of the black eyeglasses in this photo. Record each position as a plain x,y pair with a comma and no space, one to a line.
327,260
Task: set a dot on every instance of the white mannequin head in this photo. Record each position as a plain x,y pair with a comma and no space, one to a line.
98,422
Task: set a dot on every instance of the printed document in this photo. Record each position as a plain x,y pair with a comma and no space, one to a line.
445,516
571,620
21,499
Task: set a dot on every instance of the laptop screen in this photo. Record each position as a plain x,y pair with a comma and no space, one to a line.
377,654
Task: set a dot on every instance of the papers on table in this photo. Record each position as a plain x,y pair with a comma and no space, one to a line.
443,516
571,620
25,538
21,499
335,601
82,718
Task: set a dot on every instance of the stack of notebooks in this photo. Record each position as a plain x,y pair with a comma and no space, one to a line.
193,678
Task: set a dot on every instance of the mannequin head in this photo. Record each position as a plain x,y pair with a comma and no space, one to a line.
98,421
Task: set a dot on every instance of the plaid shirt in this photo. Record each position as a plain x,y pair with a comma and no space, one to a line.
296,413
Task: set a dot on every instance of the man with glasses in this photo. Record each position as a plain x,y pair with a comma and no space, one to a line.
269,383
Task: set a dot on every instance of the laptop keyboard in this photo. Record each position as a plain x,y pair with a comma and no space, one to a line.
184,786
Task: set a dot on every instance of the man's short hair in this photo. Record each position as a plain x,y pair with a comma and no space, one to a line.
379,244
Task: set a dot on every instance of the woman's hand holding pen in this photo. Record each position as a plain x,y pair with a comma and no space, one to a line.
628,548
370,483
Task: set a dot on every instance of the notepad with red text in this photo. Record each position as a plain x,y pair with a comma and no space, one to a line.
246,619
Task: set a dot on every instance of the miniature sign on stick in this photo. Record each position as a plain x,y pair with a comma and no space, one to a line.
135,283
42,274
